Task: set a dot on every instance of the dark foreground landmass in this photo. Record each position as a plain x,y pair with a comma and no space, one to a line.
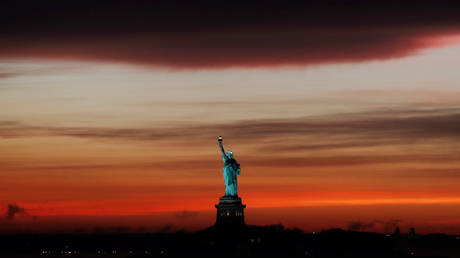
249,241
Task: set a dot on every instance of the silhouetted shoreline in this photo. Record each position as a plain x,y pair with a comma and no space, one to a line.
245,241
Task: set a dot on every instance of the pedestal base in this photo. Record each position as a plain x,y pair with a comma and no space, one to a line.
230,211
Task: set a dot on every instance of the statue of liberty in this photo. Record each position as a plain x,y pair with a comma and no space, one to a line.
231,171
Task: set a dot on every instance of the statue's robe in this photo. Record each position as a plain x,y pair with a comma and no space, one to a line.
231,171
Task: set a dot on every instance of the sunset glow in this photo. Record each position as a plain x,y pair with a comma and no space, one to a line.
364,129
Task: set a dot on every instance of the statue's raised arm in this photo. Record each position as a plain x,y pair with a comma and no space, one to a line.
222,147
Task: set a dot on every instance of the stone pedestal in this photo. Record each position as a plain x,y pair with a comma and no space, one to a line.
230,211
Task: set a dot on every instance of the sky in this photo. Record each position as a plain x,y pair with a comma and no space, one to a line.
341,114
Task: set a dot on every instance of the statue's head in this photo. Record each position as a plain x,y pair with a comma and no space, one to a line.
230,154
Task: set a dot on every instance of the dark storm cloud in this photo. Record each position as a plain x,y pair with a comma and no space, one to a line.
223,34
12,210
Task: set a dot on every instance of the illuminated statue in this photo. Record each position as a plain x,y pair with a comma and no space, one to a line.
231,171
